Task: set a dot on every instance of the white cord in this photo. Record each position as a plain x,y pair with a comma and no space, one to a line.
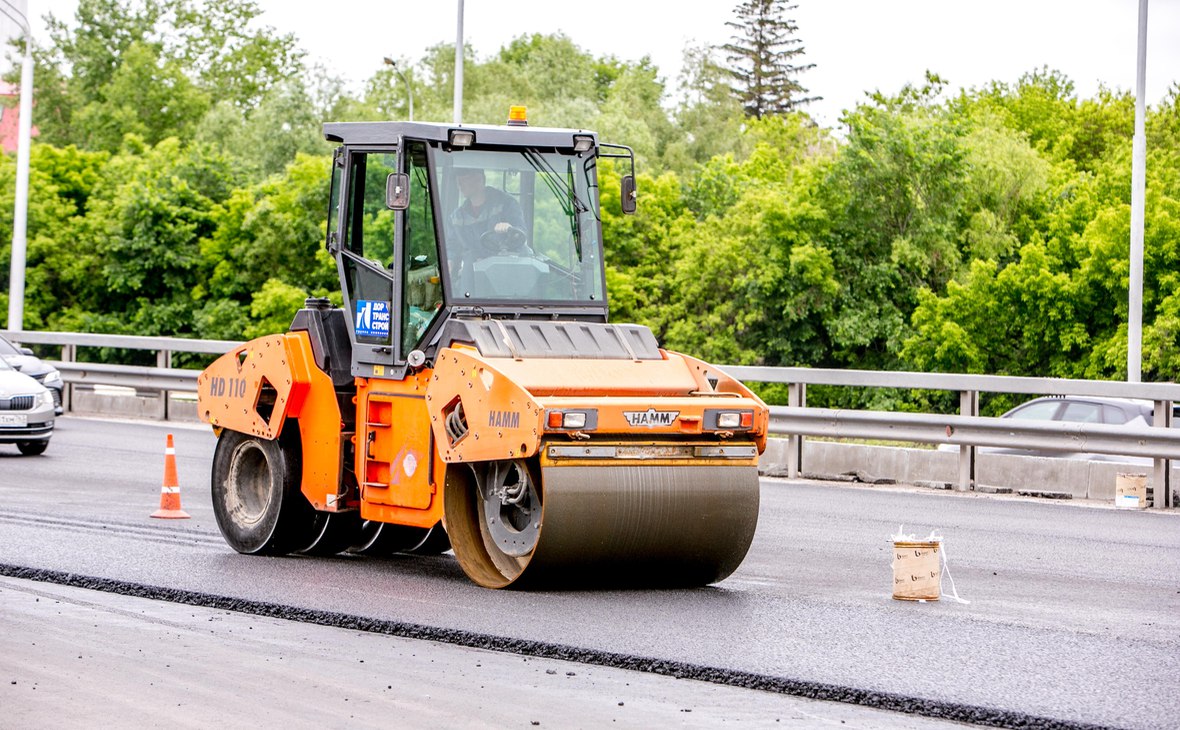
946,569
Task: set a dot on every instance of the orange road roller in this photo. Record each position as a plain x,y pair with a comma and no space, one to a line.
470,394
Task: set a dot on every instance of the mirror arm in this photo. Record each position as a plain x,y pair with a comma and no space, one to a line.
628,197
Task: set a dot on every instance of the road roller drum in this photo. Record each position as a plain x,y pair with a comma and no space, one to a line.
605,525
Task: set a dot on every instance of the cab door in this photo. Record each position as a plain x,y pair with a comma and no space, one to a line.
364,256
421,276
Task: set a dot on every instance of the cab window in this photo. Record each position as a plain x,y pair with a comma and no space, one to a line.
423,295
519,226
369,232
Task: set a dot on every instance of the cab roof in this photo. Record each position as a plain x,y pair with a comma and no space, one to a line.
388,133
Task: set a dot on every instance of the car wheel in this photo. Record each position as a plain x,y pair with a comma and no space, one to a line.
32,448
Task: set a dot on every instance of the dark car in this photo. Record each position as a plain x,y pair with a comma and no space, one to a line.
23,359
26,411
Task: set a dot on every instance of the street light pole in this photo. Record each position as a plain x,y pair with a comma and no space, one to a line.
20,212
459,68
1138,190
409,91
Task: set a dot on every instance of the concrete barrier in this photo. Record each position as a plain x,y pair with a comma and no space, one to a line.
125,403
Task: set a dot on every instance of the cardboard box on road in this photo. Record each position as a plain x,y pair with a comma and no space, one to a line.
1130,491
917,574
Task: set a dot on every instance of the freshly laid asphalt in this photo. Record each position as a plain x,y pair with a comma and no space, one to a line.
1073,616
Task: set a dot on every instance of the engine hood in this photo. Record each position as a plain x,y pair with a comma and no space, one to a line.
15,383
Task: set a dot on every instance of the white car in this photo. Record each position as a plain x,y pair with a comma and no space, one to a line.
26,411
1076,409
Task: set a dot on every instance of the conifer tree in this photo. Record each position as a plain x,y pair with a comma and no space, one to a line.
764,56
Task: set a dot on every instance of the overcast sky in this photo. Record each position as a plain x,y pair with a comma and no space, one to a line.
856,45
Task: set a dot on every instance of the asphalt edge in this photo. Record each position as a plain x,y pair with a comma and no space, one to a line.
958,712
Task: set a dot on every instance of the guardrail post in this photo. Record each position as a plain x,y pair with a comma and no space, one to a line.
968,406
164,360
69,353
1162,482
796,396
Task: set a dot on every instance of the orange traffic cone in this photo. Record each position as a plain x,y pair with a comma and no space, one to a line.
170,492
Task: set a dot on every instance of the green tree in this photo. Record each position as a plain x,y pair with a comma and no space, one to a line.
895,198
1059,305
764,55
82,59
231,58
271,231
639,248
145,97
145,223
753,287
709,118
59,260
262,141
1005,191
632,113
152,68
273,307
1043,105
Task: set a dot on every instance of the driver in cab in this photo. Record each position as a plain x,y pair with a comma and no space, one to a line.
488,216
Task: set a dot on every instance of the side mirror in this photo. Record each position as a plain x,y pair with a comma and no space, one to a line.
25,351
397,191
628,195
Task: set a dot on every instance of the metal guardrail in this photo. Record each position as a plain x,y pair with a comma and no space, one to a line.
956,381
967,429
1094,438
124,342
163,378
129,376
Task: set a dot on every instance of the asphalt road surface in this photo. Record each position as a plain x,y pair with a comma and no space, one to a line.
1073,613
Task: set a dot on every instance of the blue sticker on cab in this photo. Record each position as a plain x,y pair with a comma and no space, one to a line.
372,318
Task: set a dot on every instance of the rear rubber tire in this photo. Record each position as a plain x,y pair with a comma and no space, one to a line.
32,448
256,498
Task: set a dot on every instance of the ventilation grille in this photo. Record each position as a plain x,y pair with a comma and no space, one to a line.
18,403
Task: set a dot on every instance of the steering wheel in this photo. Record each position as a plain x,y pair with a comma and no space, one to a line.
511,240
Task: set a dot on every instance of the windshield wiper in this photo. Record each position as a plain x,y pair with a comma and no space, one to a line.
568,199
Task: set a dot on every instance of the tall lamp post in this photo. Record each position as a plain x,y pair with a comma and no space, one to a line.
20,213
459,67
1138,188
409,90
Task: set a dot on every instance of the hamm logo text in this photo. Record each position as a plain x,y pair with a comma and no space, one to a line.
504,419
651,418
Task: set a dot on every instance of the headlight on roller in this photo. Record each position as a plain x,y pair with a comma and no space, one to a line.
574,420
729,420
719,420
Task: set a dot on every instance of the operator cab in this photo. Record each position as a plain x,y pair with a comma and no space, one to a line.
432,222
